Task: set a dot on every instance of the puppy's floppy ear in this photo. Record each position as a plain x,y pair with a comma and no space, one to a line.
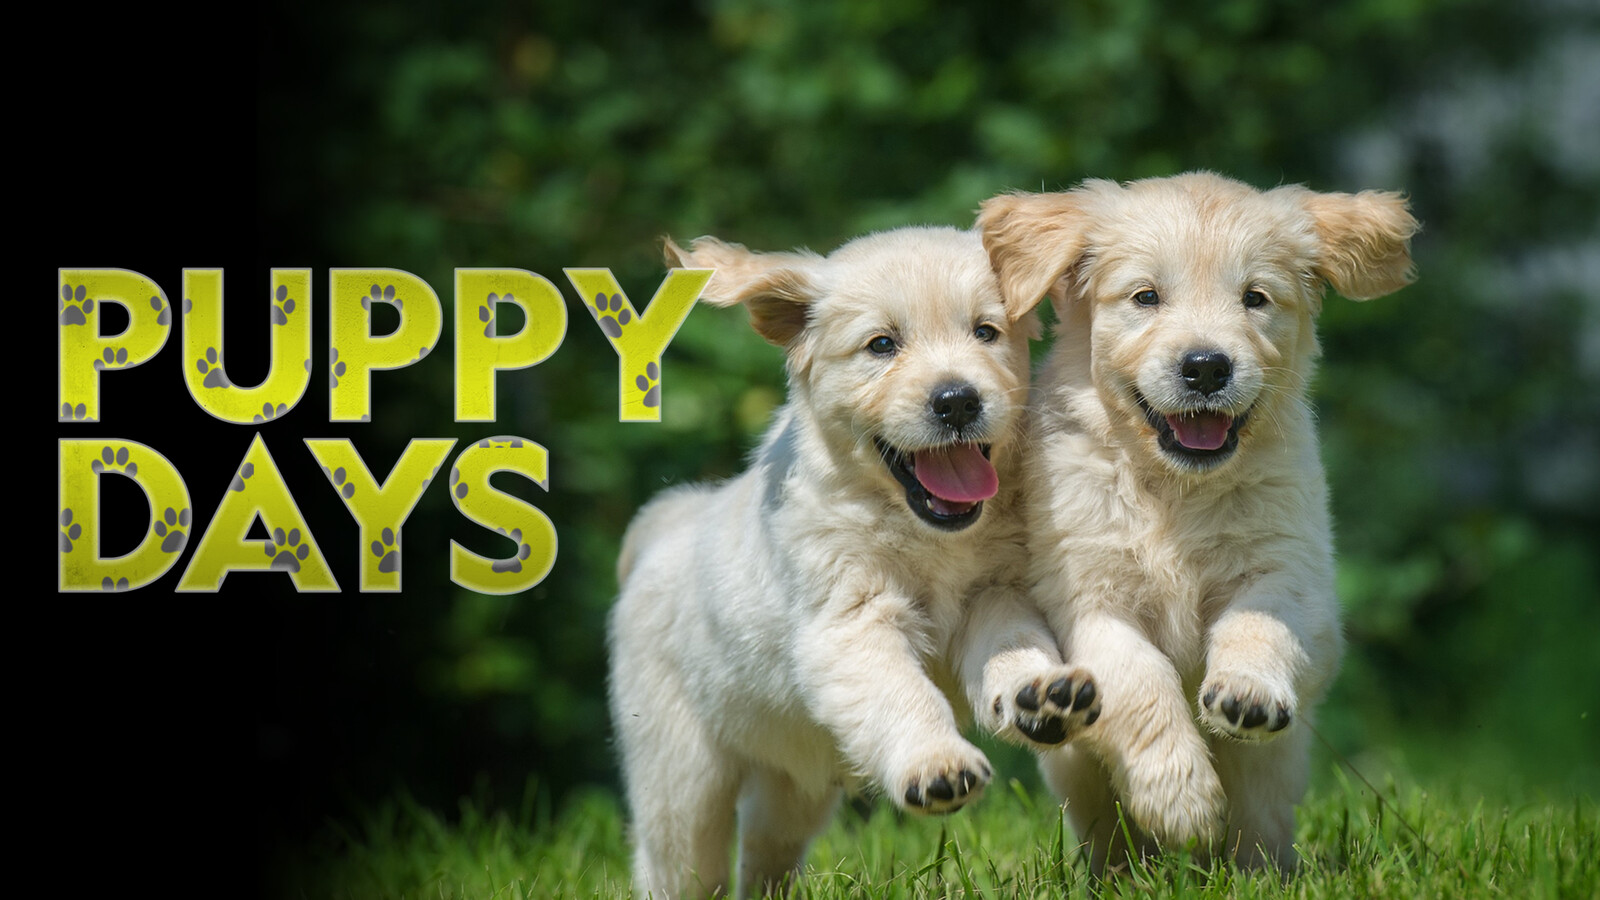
774,287
1365,242
1032,240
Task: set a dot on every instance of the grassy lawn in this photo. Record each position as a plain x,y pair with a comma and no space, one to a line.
1011,844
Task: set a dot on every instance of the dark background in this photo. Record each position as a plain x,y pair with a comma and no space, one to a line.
1460,417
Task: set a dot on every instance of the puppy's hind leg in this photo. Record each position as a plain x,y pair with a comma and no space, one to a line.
1263,781
777,820
1074,774
681,785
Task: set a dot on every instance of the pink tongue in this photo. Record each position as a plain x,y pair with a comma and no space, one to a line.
1201,431
957,473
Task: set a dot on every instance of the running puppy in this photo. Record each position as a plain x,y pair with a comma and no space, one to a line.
1178,521
781,634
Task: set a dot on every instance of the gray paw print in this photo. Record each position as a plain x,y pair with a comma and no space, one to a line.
211,368
611,314
337,367
337,476
245,471
163,311
486,314
286,550
386,551
110,360
70,531
385,295
457,486
106,584
270,412
648,383
74,306
70,413
111,461
169,527
514,564
282,305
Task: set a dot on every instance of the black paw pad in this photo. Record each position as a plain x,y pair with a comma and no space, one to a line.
1255,716
1028,698
1044,730
1284,718
940,789
1060,692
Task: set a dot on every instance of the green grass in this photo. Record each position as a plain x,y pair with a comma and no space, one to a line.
1011,844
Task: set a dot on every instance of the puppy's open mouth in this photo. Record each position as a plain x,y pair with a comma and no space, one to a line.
945,485
1200,437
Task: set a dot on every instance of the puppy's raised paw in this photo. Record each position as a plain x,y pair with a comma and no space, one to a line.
1244,707
1050,707
942,782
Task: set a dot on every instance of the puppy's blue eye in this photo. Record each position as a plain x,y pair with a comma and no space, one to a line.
986,333
1147,298
882,345
1254,299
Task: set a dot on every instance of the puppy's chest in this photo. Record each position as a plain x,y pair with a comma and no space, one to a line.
1185,569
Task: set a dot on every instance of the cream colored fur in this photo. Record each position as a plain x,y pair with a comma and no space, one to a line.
1197,586
787,632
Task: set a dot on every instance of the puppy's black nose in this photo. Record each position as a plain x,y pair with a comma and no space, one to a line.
956,405
1207,371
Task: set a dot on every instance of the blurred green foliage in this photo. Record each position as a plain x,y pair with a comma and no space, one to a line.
1460,418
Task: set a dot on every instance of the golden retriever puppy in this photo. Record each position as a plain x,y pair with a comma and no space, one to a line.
785,633
1180,539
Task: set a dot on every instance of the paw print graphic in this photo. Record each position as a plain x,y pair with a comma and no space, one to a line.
336,367
171,529
457,486
514,564
75,306
106,584
648,384
245,471
70,413
270,412
163,311
337,476
286,550
70,531
386,551
383,295
114,460
486,314
211,368
282,305
110,360
612,314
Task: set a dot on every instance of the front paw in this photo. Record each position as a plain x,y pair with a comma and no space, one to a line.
1243,707
1049,707
942,780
